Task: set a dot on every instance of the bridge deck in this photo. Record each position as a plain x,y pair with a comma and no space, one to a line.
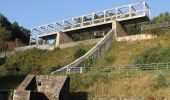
123,13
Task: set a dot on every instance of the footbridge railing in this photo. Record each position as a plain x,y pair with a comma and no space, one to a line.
125,12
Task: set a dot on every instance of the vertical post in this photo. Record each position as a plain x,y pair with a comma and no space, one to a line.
149,12
72,23
37,40
144,7
93,18
30,36
68,70
104,12
116,13
167,66
46,27
63,24
81,23
157,67
81,69
130,11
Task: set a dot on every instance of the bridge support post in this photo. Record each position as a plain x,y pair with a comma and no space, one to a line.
62,38
119,29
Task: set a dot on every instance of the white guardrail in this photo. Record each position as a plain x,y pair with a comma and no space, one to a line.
122,68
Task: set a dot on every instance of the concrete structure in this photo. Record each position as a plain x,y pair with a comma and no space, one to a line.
85,42
61,30
43,87
136,37
98,49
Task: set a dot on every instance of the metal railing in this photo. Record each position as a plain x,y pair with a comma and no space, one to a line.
156,26
118,69
102,17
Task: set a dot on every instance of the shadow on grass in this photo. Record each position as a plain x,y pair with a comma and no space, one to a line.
79,96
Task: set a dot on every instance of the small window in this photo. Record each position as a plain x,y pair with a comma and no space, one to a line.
39,83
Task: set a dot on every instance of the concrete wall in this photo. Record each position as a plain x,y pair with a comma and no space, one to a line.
21,95
21,92
62,38
135,37
119,29
95,52
42,47
46,86
116,31
53,86
85,42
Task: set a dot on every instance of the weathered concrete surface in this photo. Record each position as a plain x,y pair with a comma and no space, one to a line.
85,42
21,95
62,38
47,87
52,86
26,82
136,37
119,29
95,52
116,31
42,47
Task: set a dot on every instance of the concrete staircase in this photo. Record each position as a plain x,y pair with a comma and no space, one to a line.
102,46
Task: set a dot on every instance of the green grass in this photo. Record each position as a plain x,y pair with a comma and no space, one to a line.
109,85
126,53
41,59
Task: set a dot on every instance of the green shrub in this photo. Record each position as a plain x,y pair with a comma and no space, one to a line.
157,54
109,59
160,81
80,52
89,62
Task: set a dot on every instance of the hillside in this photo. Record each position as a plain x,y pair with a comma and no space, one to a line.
135,52
145,86
35,60
12,35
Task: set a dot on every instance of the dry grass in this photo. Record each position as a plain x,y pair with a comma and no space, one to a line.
124,53
108,86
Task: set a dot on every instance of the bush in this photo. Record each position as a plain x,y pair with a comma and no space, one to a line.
157,54
161,81
80,52
89,62
109,59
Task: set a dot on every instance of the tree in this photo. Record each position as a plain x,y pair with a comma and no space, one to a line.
4,22
163,17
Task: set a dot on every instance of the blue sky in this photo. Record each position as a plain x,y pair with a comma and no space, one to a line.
31,13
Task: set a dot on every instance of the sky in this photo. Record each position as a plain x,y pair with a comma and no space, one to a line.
32,13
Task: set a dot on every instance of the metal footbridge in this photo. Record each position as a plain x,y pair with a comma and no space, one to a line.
140,11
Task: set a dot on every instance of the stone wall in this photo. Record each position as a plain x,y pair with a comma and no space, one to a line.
47,87
53,86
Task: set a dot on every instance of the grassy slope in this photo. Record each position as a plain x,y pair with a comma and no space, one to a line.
30,59
110,86
125,53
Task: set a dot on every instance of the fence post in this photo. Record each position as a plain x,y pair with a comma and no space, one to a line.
157,67
68,70
167,66
81,69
